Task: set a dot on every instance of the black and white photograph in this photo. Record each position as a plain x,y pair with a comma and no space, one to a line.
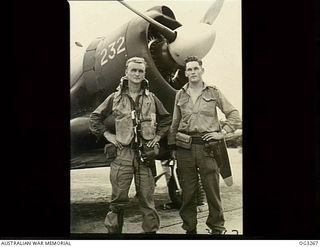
161,120
156,117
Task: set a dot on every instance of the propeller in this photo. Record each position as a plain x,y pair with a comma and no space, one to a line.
166,32
195,40
198,39
212,12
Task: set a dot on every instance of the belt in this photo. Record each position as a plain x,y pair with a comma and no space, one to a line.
197,140
196,137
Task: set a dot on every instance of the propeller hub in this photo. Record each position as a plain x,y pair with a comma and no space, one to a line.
196,40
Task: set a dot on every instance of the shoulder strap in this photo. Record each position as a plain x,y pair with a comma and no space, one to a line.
179,94
213,90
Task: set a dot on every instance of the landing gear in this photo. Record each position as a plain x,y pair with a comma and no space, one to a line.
175,191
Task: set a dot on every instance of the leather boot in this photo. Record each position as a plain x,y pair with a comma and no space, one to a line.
194,231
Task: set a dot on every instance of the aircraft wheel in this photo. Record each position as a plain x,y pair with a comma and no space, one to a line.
176,197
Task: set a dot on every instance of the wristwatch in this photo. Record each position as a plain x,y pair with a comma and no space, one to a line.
224,131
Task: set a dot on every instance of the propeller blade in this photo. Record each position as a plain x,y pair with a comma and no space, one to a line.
165,31
212,12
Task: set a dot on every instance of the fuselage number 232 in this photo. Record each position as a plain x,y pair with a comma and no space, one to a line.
110,51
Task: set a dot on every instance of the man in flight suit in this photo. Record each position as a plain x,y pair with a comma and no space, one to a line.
195,116
140,121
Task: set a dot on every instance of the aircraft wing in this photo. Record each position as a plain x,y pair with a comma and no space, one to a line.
94,158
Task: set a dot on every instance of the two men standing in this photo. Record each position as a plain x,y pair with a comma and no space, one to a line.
141,121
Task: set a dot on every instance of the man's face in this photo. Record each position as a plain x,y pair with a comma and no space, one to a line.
194,71
135,72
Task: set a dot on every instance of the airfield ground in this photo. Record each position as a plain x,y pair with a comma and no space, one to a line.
90,195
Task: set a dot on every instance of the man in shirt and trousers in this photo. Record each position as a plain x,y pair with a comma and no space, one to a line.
195,116
140,122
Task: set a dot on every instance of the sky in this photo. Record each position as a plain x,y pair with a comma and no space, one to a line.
223,63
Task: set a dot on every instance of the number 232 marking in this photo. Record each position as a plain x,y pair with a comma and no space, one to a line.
115,48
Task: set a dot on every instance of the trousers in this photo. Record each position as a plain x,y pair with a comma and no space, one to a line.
122,170
190,162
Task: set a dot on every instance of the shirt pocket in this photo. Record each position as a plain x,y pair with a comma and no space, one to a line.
118,114
208,104
184,106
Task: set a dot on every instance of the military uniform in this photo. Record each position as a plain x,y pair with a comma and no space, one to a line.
196,119
155,120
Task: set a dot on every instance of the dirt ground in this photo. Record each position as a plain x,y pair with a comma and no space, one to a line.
90,195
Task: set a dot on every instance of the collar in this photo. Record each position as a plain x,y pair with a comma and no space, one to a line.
123,87
142,91
204,86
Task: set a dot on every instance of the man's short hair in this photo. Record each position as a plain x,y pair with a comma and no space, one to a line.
136,60
193,58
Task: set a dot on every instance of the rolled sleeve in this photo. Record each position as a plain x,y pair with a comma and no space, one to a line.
233,120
